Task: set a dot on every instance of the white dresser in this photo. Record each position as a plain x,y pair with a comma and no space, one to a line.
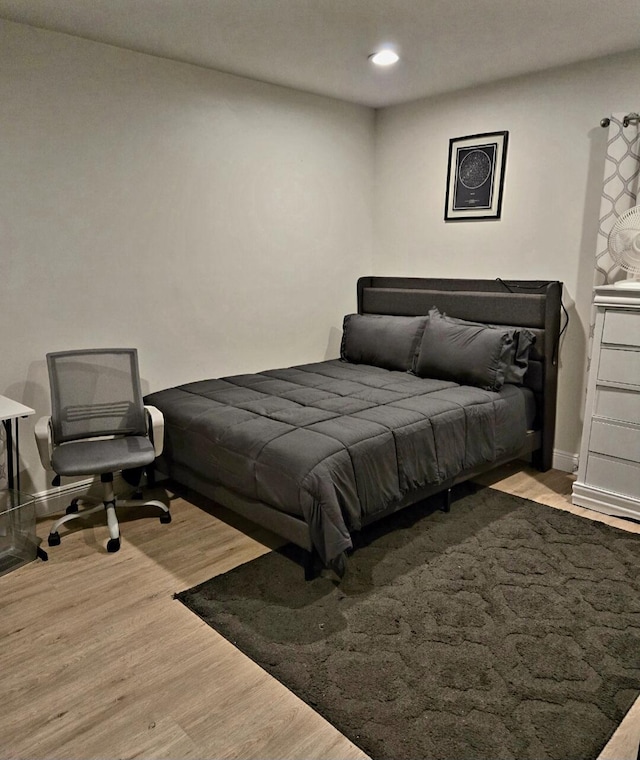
609,472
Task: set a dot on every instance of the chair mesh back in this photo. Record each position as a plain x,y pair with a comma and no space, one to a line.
95,392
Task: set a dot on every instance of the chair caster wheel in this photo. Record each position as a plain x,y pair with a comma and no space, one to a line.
72,509
165,517
113,544
54,539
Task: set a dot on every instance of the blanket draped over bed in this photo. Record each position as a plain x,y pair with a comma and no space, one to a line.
335,442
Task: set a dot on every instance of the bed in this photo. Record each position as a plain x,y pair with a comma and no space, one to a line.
438,381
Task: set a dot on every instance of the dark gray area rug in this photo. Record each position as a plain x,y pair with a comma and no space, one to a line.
504,629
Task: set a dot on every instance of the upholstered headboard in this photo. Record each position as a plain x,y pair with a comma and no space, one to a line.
533,304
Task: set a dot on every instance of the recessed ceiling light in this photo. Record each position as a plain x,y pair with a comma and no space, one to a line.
385,57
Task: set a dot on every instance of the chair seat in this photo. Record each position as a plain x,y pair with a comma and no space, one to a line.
97,457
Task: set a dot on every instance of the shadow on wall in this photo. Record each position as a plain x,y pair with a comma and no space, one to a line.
587,259
591,219
581,314
572,351
333,344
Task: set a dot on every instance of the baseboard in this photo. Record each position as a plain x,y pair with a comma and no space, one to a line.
565,461
55,500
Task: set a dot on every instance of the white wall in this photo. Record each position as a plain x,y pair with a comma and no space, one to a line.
220,224
217,224
549,222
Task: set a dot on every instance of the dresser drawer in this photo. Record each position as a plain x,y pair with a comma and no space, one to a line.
617,404
622,328
612,475
619,366
620,441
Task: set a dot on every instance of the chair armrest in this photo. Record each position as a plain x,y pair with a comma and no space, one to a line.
155,428
44,441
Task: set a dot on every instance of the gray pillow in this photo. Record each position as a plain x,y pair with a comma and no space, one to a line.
381,340
466,353
519,358
519,361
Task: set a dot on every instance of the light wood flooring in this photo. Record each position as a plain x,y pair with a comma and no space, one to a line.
97,660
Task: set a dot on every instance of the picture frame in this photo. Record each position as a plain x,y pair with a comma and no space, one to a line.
475,176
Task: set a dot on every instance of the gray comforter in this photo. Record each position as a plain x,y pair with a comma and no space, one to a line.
335,442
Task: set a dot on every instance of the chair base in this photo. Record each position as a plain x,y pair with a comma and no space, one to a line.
110,504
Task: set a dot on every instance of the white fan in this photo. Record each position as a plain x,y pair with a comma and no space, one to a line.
624,246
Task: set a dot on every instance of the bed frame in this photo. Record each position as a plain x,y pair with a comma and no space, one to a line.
519,303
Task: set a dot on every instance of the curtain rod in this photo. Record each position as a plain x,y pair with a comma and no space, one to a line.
628,119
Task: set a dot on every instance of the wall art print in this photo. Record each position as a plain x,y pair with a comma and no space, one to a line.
475,176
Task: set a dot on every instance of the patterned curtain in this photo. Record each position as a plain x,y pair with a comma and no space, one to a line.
619,189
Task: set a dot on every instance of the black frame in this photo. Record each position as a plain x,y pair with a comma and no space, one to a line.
481,160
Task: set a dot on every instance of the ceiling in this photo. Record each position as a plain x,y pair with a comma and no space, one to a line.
321,46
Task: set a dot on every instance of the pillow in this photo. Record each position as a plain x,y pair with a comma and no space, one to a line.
519,359
381,340
466,353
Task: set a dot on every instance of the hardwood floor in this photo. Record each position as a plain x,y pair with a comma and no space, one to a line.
97,659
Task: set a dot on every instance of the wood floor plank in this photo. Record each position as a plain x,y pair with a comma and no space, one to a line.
98,660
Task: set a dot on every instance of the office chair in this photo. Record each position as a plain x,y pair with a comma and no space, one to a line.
98,426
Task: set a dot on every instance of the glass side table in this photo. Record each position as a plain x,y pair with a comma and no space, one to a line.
18,541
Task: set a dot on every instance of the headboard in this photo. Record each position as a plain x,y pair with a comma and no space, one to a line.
534,304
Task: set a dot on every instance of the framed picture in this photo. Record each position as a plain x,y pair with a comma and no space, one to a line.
475,177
